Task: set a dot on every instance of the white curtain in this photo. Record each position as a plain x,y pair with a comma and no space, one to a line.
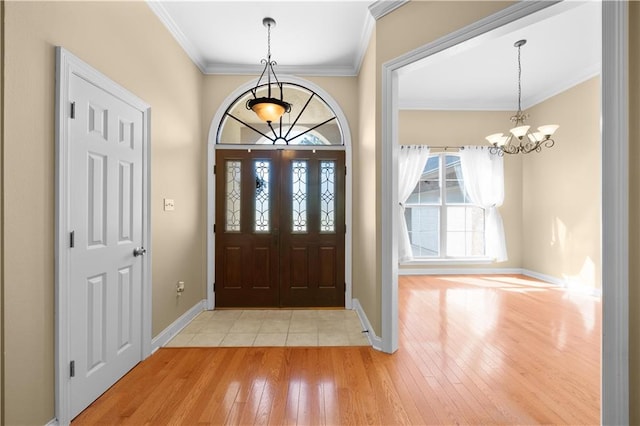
411,162
483,175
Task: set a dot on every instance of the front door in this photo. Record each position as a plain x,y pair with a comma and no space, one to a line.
106,220
280,226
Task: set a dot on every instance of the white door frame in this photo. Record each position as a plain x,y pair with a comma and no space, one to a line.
615,185
67,65
211,187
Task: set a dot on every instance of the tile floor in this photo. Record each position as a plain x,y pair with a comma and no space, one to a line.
309,327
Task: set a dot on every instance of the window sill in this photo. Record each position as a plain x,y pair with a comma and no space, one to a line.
458,261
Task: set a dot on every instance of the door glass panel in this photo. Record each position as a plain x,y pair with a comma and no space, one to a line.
232,222
327,196
299,196
263,197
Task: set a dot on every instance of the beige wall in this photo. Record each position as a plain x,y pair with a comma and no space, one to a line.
561,190
458,128
365,215
634,213
125,41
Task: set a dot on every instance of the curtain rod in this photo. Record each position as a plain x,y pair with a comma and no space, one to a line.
434,147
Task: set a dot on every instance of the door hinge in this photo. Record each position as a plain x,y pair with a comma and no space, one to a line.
214,228
345,170
73,110
214,286
214,169
72,239
72,369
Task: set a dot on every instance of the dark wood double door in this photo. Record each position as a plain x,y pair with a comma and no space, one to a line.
280,228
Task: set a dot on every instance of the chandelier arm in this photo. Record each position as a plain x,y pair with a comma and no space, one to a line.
495,150
313,128
509,148
251,127
299,115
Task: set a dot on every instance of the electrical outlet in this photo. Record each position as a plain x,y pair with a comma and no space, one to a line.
169,205
180,287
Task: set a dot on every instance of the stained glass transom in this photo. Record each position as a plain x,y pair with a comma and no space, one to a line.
299,196
327,196
263,197
233,181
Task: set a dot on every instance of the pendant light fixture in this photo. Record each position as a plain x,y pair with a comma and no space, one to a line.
268,109
520,139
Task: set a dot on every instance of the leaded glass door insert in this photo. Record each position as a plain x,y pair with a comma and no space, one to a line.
282,243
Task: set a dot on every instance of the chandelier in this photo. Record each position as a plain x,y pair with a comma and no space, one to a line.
520,139
268,109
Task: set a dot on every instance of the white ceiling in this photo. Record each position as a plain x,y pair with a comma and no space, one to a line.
310,37
329,37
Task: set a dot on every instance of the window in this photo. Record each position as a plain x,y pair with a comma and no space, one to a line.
441,220
311,121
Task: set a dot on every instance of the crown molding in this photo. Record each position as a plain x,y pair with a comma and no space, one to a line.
164,17
365,38
308,70
384,7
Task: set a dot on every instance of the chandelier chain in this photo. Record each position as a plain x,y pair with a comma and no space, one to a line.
519,82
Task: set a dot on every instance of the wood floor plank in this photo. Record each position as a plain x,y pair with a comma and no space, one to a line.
473,350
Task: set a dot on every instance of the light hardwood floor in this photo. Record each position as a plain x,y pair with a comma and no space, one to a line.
473,350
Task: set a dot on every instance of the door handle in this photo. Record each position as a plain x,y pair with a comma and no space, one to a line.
139,251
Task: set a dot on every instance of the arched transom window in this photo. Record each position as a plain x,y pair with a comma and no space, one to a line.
311,121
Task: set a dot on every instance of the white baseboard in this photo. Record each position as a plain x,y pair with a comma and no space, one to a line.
168,333
375,341
570,286
458,271
52,422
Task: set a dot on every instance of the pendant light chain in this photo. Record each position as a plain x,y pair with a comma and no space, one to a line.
269,43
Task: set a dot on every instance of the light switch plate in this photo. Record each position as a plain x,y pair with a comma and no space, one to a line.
168,205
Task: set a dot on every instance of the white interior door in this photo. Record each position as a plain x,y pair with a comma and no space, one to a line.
105,240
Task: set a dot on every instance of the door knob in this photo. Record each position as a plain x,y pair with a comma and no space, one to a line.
139,251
